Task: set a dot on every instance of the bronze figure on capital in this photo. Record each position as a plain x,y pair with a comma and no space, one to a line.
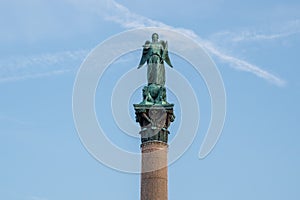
154,113
155,53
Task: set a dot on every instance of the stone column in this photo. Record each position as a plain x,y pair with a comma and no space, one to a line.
154,121
154,184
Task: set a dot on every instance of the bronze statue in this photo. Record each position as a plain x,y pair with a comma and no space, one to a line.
155,53
154,113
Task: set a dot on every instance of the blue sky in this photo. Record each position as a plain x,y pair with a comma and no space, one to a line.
255,46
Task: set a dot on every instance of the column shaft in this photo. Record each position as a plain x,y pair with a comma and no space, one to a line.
154,183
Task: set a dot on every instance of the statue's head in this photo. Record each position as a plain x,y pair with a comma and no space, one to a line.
154,37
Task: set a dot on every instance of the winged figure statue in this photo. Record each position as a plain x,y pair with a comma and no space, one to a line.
155,53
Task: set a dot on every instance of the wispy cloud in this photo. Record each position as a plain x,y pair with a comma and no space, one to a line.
280,31
123,16
42,65
21,67
243,65
33,75
256,36
12,120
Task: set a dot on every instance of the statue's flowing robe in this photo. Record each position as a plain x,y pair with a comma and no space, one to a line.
155,54
156,68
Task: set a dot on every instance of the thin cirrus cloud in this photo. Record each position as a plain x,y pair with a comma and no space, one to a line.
20,68
287,29
123,16
254,36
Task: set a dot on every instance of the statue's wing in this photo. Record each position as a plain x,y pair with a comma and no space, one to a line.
165,54
146,54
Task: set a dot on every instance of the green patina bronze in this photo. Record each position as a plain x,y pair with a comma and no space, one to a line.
155,53
154,113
